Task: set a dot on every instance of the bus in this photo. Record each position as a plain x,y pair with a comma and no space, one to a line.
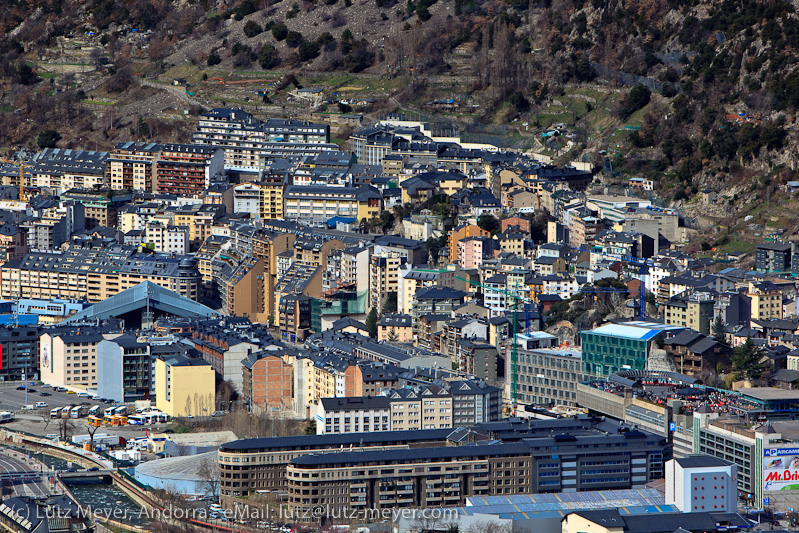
136,420
55,412
94,410
66,411
95,421
6,416
120,410
78,411
155,417
108,418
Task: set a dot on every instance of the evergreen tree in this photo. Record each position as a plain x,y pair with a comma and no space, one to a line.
718,328
746,361
371,323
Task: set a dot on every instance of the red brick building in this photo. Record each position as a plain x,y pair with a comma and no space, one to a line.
268,382
187,169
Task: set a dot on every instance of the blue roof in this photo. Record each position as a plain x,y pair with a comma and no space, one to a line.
634,330
19,320
333,222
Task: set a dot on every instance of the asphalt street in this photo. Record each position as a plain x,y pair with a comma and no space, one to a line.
11,464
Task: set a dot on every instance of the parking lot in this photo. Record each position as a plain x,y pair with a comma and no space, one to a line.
12,399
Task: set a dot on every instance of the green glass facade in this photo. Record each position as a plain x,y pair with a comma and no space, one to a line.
605,354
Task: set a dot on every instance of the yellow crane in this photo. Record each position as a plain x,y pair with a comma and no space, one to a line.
22,184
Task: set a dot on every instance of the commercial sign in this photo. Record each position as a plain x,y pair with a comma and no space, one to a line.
781,469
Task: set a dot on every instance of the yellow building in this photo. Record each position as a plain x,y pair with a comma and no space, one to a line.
184,386
270,198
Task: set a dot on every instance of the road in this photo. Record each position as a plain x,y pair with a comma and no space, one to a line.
10,464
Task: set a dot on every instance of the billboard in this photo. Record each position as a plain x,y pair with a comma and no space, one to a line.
781,469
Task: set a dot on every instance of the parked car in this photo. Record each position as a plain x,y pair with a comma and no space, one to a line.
31,390
92,469
21,387
45,394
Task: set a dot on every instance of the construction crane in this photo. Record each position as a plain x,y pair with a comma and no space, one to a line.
21,184
516,299
643,267
514,324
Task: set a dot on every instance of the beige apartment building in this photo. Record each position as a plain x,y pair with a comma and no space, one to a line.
427,408
70,359
95,274
131,166
766,300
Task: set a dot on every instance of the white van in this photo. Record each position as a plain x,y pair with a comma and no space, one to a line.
29,407
40,405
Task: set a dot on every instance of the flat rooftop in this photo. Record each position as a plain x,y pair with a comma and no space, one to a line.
770,393
632,501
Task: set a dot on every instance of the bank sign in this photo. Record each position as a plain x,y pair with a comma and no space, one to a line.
781,469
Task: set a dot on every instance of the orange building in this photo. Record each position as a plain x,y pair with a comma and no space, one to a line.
468,230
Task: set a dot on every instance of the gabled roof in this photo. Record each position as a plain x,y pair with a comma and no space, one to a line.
139,297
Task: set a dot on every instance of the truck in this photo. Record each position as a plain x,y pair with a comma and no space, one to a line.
6,416
100,439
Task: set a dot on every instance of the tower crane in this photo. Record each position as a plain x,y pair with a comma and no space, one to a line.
643,267
22,182
516,298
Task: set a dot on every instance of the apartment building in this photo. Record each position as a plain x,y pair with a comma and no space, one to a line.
19,352
238,277
766,300
270,197
167,238
435,300
131,166
187,169
95,274
693,311
100,207
246,199
458,234
424,408
69,359
59,169
179,384
595,456
268,382
353,415
248,465
325,377
383,278
246,140
318,204
124,369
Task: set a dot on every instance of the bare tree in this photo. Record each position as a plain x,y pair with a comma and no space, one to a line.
91,430
208,472
65,427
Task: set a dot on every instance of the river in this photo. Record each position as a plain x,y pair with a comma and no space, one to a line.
103,499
